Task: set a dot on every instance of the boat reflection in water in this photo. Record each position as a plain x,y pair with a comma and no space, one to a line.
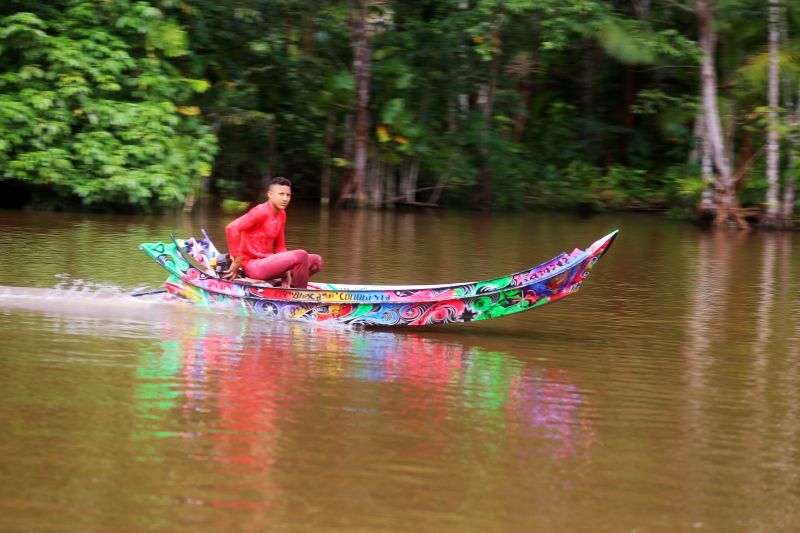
258,399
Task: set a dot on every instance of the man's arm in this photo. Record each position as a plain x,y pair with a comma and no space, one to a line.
280,241
233,234
233,231
233,270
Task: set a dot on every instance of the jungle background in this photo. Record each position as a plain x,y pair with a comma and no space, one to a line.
684,106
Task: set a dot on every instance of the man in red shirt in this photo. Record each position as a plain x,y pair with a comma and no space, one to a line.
257,244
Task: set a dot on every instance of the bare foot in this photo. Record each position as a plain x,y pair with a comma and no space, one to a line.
286,280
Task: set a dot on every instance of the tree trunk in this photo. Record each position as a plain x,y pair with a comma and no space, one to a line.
771,213
629,97
348,149
526,93
484,199
330,133
726,204
641,8
746,152
463,98
627,117
361,74
587,99
388,187
787,207
205,185
272,148
441,183
701,153
369,178
793,118
409,182
376,181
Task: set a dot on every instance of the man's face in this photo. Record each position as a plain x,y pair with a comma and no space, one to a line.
279,196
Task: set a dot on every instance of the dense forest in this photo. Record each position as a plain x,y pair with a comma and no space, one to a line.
683,105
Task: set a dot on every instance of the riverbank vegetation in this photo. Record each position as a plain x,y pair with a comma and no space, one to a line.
641,104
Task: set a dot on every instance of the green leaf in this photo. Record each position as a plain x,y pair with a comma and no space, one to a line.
392,110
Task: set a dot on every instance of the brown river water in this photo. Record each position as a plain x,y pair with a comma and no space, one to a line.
664,396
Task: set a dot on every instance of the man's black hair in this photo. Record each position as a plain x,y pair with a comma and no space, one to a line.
280,180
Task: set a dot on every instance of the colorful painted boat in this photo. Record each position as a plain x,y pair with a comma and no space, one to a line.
190,263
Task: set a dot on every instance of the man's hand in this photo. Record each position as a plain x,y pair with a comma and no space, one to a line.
233,271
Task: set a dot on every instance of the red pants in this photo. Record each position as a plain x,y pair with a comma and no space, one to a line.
301,263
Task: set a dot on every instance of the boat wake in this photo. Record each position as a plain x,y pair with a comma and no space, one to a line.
80,298
86,299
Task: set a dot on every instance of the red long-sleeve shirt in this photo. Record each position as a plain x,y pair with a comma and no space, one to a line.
257,233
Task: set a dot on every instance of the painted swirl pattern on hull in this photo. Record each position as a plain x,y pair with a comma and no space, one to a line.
190,264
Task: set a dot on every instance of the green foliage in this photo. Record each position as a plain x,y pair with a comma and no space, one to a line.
234,207
124,103
83,111
633,42
582,184
684,185
752,74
